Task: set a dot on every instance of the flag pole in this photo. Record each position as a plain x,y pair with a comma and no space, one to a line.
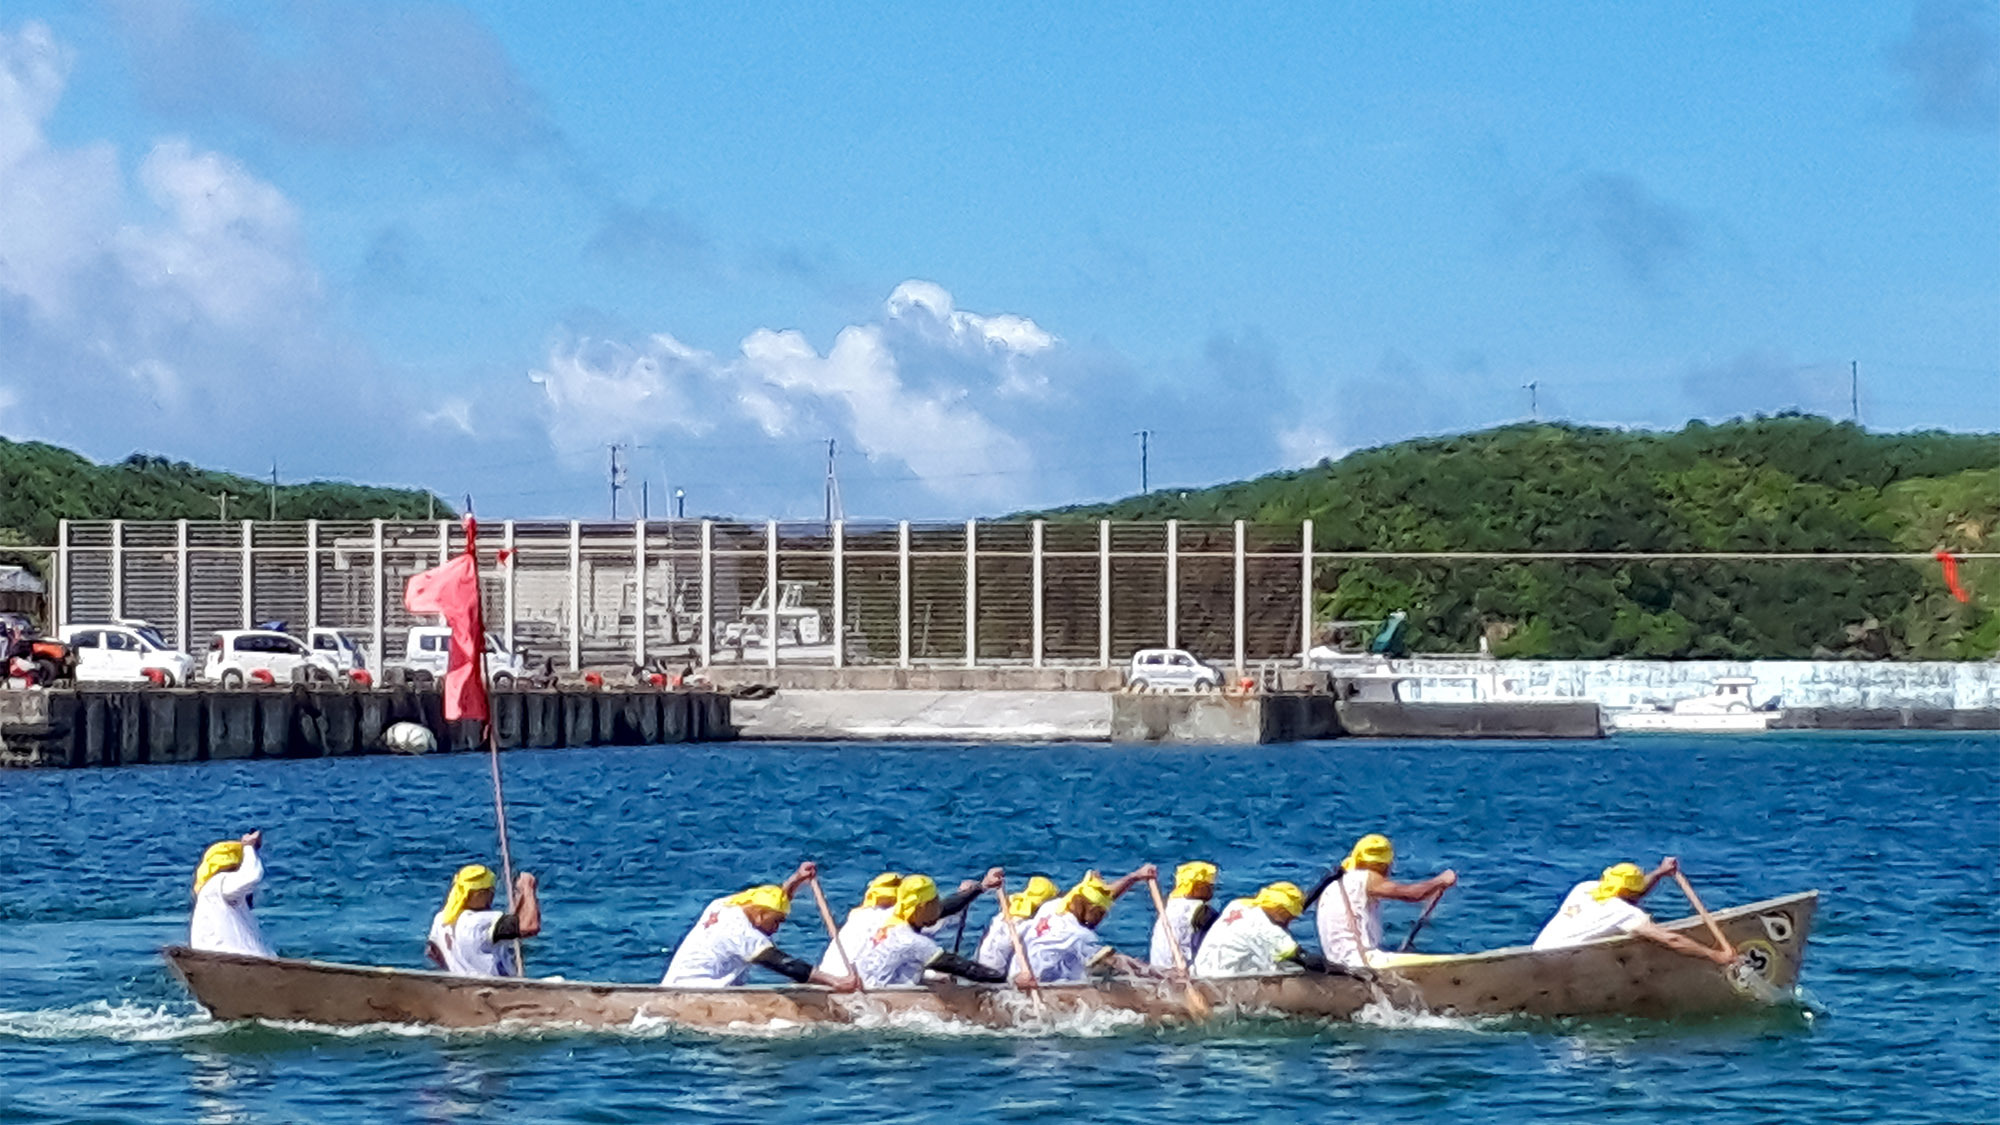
492,742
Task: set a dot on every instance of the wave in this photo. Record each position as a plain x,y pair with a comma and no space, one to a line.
101,1019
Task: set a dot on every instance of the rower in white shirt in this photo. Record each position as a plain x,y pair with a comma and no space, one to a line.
1252,939
1350,900
1187,917
224,885
898,952
470,938
734,933
1607,907
878,903
996,948
1062,944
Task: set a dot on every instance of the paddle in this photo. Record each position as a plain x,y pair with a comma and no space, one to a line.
1694,900
833,931
1020,949
1197,1004
1421,919
958,939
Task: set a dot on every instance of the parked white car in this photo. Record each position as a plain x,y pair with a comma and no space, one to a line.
342,646
234,654
123,652
427,654
1171,669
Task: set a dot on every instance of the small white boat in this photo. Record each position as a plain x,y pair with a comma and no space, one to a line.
1728,709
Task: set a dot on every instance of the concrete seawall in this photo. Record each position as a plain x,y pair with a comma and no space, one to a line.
112,728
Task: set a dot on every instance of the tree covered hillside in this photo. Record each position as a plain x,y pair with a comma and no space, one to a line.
1774,484
42,484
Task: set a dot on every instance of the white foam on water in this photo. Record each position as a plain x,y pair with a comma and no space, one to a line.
101,1019
1381,1013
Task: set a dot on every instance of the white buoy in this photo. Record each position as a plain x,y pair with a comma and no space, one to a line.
409,738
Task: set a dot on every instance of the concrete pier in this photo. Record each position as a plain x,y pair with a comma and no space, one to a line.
158,727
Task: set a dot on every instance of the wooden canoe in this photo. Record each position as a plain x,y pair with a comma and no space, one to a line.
1619,977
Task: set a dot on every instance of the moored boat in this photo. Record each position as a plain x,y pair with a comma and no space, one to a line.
1618,977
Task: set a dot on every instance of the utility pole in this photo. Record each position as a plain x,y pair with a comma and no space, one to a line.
222,504
1145,453
1854,389
274,490
645,500
1534,404
617,476
834,510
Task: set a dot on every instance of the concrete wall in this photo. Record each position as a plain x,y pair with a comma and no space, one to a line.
1795,683
888,714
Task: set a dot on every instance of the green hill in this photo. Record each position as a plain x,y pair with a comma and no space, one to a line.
1772,484
43,484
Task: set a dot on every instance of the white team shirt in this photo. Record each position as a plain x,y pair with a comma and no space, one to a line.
1336,933
1175,927
861,924
1582,918
718,951
894,954
222,921
996,949
1244,942
1061,949
469,947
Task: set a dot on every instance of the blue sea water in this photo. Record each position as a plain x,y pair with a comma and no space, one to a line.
1902,834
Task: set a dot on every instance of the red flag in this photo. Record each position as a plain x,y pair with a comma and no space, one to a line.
1949,562
452,591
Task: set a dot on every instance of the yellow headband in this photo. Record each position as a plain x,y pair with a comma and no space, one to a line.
912,893
769,896
226,855
1093,891
1285,896
471,878
1190,875
881,890
1373,850
1038,891
1619,879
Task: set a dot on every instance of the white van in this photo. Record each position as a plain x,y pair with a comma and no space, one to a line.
123,652
1171,669
234,654
427,653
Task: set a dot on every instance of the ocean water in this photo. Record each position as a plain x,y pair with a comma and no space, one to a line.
1901,1019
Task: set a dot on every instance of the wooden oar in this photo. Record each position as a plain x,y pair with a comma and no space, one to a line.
1421,919
1694,900
1197,1004
833,931
1020,950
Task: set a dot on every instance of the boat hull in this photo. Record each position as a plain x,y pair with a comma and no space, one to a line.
1620,977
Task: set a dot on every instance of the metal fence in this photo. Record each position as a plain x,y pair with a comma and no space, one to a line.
704,592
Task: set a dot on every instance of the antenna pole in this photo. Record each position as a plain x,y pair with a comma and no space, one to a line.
1145,455
617,476
833,505
1533,386
1854,389
274,490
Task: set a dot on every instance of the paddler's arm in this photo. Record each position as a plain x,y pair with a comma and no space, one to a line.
1314,963
525,920
1654,933
790,967
1143,872
1381,886
948,962
247,875
807,872
968,892
1668,865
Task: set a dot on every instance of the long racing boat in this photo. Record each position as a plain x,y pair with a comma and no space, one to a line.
1616,977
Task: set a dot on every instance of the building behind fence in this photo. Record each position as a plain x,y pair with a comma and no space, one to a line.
698,591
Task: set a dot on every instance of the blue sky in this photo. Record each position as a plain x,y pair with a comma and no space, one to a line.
979,246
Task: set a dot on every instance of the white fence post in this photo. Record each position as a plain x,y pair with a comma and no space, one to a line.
639,592
1239,601
971,593
312,574
379,619
1104,593
903,594
575,595
507,581
117,569
1305,593
183,609
771,593
59,603
1035,610
707,591
1173,583
248,580
839,593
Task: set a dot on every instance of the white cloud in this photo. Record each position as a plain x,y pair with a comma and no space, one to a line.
918,387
